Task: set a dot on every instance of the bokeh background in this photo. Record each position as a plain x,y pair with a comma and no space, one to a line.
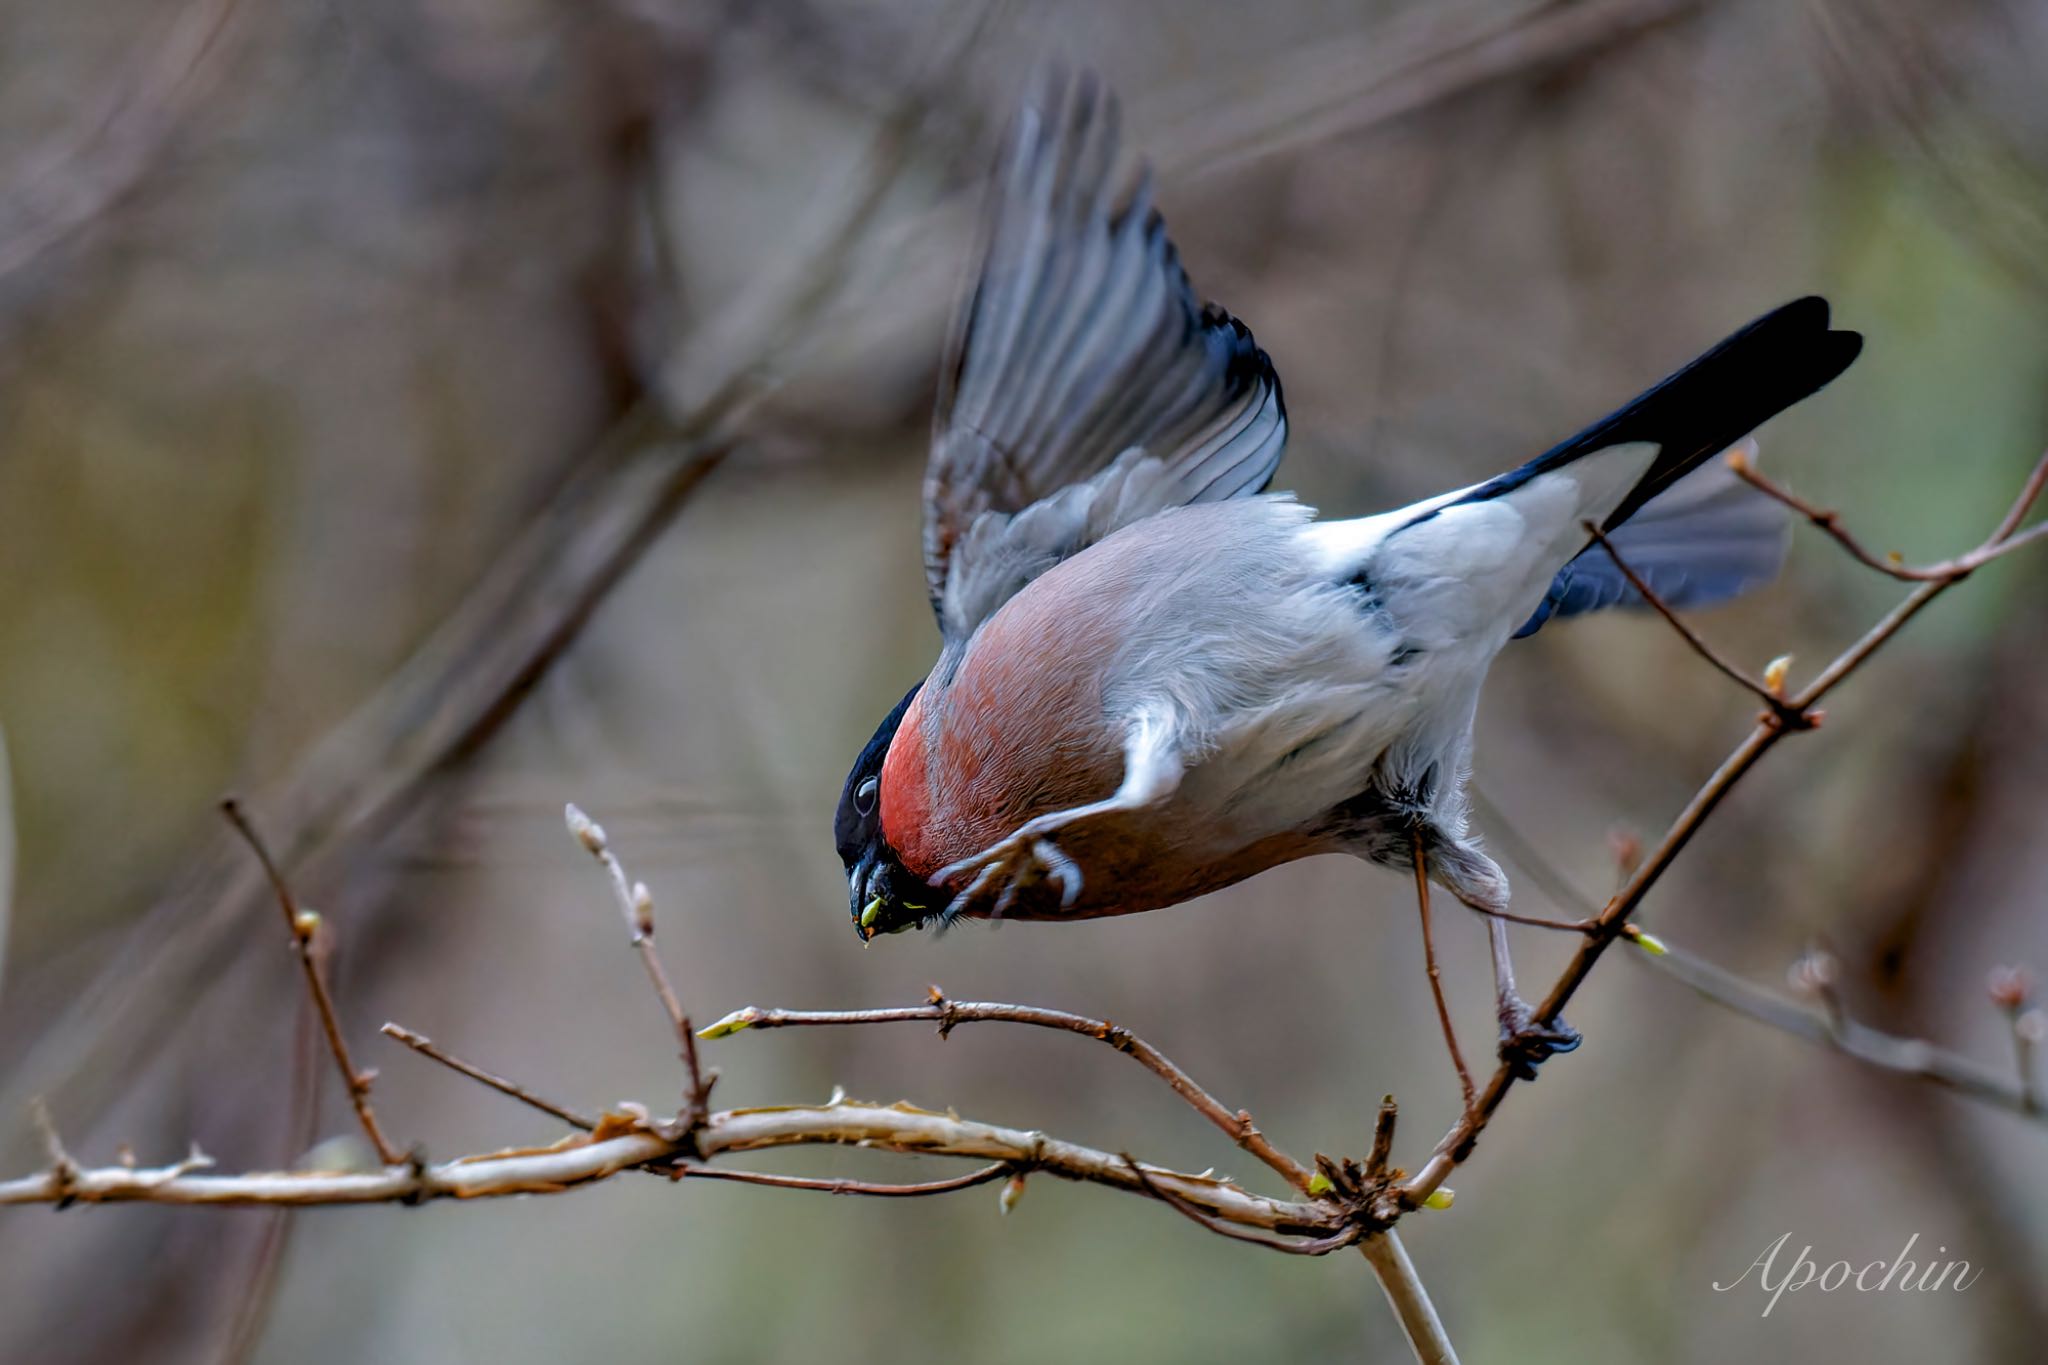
415,414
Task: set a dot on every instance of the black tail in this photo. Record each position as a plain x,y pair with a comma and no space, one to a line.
1782,357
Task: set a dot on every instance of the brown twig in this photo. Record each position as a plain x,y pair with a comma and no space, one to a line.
1436,983
1773,700
1320,1246
873,1189
304,927
626,1142
1382,1139
1457,1143
2004,540
636,904
424,1045
949,1014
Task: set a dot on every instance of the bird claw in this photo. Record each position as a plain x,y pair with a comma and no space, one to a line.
1010,867
1525,1043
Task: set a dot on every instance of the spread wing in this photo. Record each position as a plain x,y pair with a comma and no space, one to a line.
1086,386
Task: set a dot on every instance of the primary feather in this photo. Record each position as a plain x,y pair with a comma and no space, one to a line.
1086,381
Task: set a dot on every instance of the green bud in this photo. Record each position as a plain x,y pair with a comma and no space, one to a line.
731,1024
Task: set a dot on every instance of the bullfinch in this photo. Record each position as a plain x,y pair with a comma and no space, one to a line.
1156,678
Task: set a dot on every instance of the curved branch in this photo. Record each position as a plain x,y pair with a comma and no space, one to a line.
631,1144
948,1014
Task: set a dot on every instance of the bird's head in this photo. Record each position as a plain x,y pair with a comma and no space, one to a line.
884,896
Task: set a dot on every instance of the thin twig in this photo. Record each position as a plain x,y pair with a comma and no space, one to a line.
304,927
1912,1057
1320,1246
636,904
949,1014
2002,541
873,1189
624,1142
1584,925
1382,1139
424,1045
1772,700
1436,982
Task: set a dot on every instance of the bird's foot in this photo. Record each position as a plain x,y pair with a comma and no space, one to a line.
1525,1041
1000,872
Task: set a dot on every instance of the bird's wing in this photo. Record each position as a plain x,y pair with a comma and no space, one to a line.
1086,386
1707,539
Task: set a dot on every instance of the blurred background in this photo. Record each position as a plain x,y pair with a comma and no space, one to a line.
415,414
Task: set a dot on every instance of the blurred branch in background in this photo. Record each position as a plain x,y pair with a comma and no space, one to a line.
85,174
1831,1027
447,701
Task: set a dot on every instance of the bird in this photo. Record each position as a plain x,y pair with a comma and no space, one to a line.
1156,678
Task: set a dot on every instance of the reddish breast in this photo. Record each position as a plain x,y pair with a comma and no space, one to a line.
906,794
1019,731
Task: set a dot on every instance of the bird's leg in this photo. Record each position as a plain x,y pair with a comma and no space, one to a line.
1436,984
1152,771
1524,1040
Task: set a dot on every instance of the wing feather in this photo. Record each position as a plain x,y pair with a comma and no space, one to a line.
1081,344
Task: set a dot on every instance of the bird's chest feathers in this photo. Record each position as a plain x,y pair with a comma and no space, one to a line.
1017,731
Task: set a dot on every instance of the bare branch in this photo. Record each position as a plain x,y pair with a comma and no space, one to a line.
2002,540
1320,1246
636,904
1382,1139
624,1142
304,927
994,1171
424,1045
949,1014
1771,699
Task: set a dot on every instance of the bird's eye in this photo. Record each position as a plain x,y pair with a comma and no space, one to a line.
864,796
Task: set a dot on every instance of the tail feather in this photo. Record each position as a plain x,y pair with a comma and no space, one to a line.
1752,376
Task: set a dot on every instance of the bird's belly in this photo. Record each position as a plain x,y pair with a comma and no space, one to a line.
1125,872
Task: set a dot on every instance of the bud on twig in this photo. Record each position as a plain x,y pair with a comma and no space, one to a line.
731,1024
1815,974
2010,986
306,923
1774,675
1012,1191
1440,1198
588,832
1649,943
643,910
